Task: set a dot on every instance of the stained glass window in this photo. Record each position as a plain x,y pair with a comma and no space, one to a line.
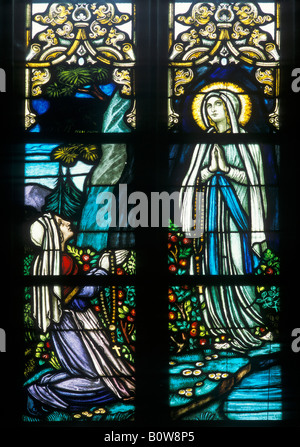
233,44
79,326
224,70
80,64
131,315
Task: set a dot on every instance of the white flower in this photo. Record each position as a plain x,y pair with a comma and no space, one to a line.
199,364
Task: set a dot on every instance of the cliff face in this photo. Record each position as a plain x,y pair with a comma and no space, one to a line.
35,196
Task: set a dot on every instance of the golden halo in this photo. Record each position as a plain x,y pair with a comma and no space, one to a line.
245,102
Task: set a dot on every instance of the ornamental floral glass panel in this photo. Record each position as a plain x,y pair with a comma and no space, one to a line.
79,356
233,46
224,361
79,67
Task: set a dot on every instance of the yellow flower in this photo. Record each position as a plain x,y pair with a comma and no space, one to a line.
89,152
66,154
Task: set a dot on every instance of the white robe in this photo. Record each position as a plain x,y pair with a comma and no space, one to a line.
228,309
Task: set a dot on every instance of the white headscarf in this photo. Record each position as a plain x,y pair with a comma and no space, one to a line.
46,298
251,156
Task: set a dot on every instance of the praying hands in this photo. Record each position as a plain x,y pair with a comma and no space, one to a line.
218,160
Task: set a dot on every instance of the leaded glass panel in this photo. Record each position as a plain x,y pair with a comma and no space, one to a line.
79,69
224,79
233,46
223,364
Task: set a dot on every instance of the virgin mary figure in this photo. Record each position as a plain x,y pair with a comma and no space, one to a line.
233,212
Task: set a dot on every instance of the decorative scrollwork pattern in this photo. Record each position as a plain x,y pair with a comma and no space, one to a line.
224,34
84,37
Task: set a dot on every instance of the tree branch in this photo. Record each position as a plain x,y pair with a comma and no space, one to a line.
124,331
93,91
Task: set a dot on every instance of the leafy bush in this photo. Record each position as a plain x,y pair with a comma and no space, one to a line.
269,296
185,328
179,250
86,258
27,264
269,264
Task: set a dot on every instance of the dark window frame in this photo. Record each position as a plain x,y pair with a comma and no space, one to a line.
151,141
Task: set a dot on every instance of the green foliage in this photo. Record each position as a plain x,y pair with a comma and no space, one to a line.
123,311
129,265
179,251
126,314
185,328
39,351
28,320
27,264
186,331
125,330
56,90
71,79
86,257
75,76
44,352
127,354
269,265
100,74
65,200
269,296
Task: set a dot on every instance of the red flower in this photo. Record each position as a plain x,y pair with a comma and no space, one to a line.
193,332
172,268
86,267
85,258
183,262
172,298
121,294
